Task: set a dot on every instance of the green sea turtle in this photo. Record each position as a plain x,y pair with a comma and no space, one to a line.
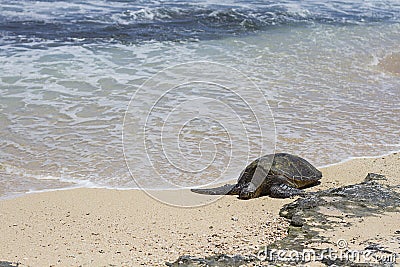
278,175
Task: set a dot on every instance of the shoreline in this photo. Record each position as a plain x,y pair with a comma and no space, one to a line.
78,186
362,157
87,226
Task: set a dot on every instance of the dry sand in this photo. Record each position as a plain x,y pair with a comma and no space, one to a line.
98,227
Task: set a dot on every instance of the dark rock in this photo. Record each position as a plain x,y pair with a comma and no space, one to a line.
308,220
218,260
297,219
353,201
378,247
8,264
356,200
374,177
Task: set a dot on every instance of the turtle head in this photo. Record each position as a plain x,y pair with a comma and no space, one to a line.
248,191
245,194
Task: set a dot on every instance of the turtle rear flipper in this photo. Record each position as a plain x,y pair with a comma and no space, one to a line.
284,191
228,189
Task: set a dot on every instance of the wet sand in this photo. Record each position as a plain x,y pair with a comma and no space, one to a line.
391,63
98,227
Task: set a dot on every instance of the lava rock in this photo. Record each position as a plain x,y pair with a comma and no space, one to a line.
374,177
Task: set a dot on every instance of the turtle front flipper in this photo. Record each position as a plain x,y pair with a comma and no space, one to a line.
228,189
285,191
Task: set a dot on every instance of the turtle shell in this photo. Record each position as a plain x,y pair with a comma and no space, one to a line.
296,170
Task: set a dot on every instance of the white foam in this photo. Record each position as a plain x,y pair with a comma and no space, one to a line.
66,109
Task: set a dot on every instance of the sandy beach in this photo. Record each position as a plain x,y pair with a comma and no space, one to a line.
102,98
97,227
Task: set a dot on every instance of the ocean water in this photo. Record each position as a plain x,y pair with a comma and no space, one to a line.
69,70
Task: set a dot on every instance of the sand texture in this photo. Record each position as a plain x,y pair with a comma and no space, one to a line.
98,227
